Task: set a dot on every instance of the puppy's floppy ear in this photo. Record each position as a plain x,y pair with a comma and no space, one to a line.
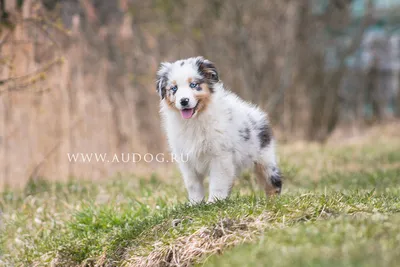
207,69
162,78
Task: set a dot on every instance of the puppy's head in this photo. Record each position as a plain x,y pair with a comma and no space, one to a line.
187,85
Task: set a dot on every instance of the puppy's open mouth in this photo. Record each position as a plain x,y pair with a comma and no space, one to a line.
188,113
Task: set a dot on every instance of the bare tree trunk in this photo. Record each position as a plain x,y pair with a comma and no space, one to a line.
360,97
4,141
325,106
298,92
373,91
397,100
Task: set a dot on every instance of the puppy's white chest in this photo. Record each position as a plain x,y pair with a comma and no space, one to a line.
197,143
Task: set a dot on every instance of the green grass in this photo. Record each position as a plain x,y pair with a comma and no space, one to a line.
367,240
340,207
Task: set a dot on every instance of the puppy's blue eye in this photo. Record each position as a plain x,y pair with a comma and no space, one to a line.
174,88
194,85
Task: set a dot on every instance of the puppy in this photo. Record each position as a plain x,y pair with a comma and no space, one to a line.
220,134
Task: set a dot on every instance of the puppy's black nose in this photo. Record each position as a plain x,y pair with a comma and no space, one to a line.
184,101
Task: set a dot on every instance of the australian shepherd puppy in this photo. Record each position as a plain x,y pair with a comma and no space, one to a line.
219,134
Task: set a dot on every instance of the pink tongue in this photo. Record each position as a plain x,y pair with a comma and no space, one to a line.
187,113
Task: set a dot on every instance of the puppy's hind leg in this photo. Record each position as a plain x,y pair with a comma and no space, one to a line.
268,174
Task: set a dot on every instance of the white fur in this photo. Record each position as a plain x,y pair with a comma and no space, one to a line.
213,139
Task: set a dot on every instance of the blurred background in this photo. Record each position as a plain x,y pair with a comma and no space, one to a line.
77,76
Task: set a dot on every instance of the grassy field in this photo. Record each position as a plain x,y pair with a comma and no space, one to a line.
340,207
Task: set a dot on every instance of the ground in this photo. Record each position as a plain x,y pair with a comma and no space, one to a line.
339,207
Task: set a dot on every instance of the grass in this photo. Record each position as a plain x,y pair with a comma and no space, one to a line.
365,240
340,207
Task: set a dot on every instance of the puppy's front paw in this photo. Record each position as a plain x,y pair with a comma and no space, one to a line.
197,201
213,199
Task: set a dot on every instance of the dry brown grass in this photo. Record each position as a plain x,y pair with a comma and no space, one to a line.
187,250
343,152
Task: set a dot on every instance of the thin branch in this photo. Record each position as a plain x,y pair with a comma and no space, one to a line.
23,42
39,21
4,39
35,171
25,76
39,25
